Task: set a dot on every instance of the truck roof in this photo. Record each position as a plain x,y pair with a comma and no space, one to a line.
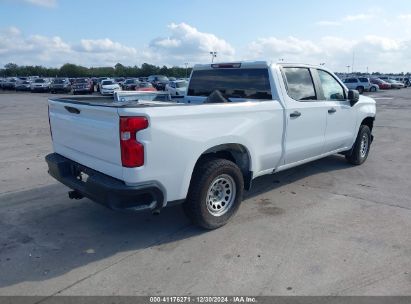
252,64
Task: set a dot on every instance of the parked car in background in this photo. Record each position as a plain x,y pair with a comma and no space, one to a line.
60,85
158,81
395,84
40,85
177,88
383,85
361,84
145,87
143,79
130,84
403,80
108,86
9,83
82,86
23,85
99,80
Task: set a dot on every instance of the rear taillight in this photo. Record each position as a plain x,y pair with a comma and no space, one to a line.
132,152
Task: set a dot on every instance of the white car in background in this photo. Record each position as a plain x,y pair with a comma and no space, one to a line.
108,86
177,87
40,85
361,84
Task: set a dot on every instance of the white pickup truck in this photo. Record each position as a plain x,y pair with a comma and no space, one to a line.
238,121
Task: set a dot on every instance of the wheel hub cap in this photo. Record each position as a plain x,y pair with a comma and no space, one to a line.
364,145
221,195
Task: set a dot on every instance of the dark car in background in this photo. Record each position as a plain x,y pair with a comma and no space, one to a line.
130,84
158,81
60,85
82,86
23,85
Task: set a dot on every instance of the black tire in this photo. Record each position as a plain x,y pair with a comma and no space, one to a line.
211,172
357,155
360,90
373,89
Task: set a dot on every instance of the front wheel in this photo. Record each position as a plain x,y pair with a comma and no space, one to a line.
361,148
373,89
215,193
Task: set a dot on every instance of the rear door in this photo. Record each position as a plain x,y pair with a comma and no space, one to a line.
341,119
88,135
306,116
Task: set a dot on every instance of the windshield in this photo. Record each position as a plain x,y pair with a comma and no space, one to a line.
39,81
232,83
107,82
59,81
181,84
81,80
130,81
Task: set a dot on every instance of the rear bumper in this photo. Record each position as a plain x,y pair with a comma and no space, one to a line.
103,189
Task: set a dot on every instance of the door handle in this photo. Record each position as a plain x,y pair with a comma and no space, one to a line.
295,114
332,111
72,110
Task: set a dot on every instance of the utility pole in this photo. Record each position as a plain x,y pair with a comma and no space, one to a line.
213,55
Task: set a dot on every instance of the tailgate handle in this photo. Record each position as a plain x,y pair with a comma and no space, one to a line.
72,110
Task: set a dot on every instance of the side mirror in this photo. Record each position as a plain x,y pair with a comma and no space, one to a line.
353,96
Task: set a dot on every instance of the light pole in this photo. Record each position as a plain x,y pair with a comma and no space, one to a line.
213,55
186,64
348,68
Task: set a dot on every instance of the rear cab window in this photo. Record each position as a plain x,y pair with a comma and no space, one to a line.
236,84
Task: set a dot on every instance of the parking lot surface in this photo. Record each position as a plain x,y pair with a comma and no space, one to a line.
325,228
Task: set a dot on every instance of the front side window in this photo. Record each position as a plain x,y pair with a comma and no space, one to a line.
331,88
232,83
300,85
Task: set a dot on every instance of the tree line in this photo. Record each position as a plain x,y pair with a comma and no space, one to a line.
73,70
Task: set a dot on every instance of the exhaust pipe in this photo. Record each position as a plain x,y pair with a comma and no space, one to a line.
75,195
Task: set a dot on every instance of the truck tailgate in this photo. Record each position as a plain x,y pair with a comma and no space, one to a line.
88,135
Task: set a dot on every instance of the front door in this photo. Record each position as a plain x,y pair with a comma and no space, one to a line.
306,116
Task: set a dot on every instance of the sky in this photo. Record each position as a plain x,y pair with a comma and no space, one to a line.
372,34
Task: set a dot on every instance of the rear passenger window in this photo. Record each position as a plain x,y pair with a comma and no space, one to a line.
331,88
300,84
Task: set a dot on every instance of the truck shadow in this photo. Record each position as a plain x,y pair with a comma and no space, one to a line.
45,235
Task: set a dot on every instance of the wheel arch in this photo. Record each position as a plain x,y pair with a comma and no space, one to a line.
237,153
368,121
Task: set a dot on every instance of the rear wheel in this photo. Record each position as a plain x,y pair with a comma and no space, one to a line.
360,90
373,89
215,193
361,148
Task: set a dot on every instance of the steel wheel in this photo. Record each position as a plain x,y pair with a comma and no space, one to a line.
221,195
364,145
